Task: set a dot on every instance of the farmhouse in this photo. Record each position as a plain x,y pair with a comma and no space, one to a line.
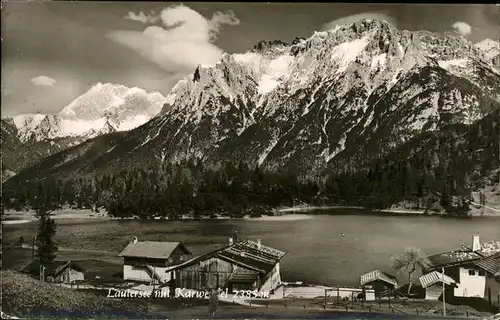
242,265
460,265
56,271
491,266
147,261
382,283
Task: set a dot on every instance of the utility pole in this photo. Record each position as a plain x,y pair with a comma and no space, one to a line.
33,248
325,299
444,302
42,272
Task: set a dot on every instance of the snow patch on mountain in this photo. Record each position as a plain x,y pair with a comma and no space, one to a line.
276,70
347,52
379,61
133,122
269,71
454,62
267,150
28,121
490,48
79,127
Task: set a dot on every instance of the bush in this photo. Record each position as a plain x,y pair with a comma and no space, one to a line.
27,297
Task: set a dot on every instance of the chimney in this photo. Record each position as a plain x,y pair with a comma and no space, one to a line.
476,245
259,244
230,241
134,240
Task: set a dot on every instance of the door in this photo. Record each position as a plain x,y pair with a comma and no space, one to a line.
489,295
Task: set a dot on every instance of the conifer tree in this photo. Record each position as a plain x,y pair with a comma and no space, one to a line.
46,245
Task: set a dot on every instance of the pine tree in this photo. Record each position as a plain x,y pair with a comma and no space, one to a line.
46,245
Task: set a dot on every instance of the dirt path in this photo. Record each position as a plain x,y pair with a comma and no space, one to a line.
487,207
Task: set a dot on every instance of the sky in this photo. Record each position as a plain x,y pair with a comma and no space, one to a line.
52,52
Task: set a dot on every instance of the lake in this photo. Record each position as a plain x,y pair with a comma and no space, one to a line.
321,249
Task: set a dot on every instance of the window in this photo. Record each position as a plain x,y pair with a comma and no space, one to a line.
481,273
472,272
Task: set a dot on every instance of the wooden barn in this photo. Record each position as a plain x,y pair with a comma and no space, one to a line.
56,271
382,283
433,284
243,265
147,261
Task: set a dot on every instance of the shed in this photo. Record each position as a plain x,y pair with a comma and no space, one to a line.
433,284
383,283
56,271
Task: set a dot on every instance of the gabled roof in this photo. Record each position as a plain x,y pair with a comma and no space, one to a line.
435,277
451,258
378,275
151,249
461,256
53,269
490,264
246,254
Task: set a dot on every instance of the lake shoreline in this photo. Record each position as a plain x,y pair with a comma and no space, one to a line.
284,213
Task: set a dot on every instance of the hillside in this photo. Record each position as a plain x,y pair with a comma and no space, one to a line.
17,155
23,296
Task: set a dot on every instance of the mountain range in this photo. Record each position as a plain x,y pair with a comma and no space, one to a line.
332,103
105,108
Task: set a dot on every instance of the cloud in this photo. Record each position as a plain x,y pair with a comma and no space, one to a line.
356,17
43,81
463,28
183,41
220,18
143,17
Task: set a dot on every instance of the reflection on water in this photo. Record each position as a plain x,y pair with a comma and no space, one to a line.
322,249
288,217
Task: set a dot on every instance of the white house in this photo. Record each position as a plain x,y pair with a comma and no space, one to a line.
147,261
459,265
491,265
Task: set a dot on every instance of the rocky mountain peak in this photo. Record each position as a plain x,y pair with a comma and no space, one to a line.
490,49
104,108
264,45
297,40
372,52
